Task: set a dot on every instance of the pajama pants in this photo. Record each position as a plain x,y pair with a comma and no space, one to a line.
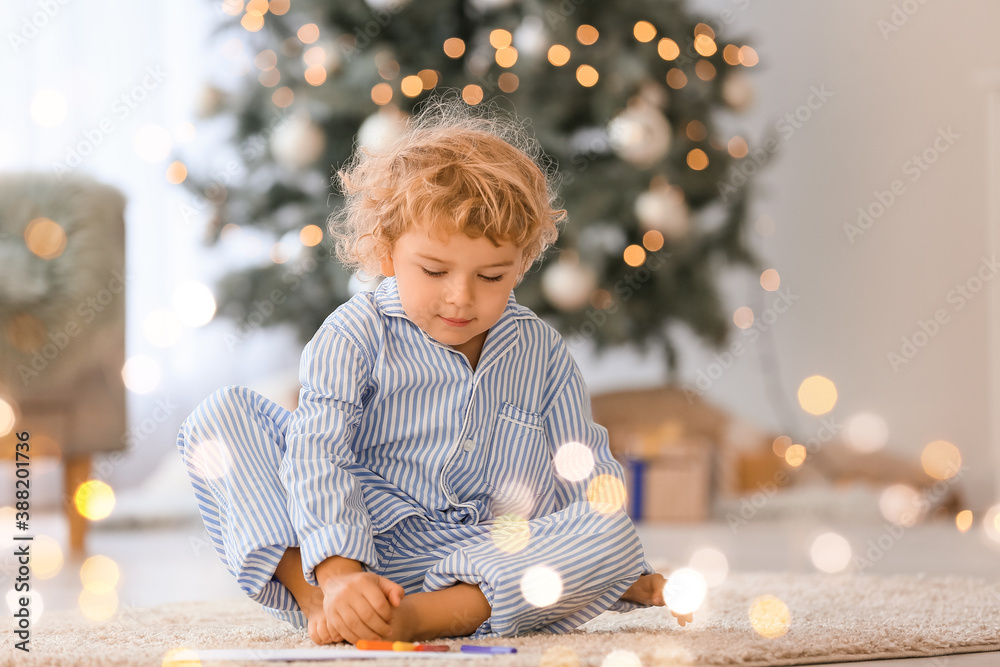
232,445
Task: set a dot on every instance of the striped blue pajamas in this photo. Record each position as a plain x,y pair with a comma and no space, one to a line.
401,456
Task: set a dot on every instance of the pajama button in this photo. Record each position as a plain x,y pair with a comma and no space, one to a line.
469,444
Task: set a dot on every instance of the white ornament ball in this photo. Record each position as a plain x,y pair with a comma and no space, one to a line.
640,134
568,285
530,38
663,210
737,91
298,142
382,128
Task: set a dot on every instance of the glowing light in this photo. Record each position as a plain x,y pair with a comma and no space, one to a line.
141,374
748,56
991,524
817,395
162,328
472,94
764,225
177,657
210,459
454,47
500,39
704,29
98,606
743,317
668,49
770,617
510,533
587,34
541,586
381,93
705,45
429,78
963,521
266,59
770,280
738,147
558,55
652,240
644,31
279,7
900,504
411,85
574,461
269,78
685,590
795,455
283,97
711,563
252,21
259,6
506,57
6,417
697,159
45,238
232,7
866,432
634,255
508,82
941,459
705,70
308,33
46,557
676,79
176,172
99,574
314,56
830,553
606,494
94,500
621,658
731,54
315,75
152,143
194,303
781,445
48,108
696,130
559,656
586,75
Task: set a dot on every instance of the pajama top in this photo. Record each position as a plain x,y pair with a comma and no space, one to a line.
392,423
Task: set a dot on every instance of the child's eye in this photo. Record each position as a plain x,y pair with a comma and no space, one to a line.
438,274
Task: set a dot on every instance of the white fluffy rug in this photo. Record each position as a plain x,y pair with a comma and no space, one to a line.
824,619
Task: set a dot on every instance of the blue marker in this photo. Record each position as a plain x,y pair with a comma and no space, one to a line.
469,648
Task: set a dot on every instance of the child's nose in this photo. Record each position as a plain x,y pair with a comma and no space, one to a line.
459,292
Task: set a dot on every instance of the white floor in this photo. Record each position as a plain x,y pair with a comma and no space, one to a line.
177,563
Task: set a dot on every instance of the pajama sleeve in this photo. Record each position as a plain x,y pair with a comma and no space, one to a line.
568,418
325,501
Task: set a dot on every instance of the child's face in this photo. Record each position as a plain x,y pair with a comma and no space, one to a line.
455,287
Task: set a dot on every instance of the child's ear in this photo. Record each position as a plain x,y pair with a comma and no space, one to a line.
386,266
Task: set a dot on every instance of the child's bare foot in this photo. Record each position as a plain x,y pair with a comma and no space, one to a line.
649,590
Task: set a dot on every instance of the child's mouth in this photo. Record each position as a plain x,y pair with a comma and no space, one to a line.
456,323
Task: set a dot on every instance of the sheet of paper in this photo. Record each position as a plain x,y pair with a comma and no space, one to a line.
290,654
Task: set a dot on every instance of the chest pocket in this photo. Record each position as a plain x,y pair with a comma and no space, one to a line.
519,467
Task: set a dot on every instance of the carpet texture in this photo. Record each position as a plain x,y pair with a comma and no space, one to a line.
751,620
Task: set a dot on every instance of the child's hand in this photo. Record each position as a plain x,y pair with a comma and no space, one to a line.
357,605
649,590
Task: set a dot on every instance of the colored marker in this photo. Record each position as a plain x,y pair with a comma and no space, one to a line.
469,648
374,645
432,647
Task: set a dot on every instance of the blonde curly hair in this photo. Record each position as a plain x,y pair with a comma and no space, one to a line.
454,168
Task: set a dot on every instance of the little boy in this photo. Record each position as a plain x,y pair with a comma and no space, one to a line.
413,492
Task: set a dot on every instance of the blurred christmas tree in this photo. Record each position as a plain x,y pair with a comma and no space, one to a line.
626,97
